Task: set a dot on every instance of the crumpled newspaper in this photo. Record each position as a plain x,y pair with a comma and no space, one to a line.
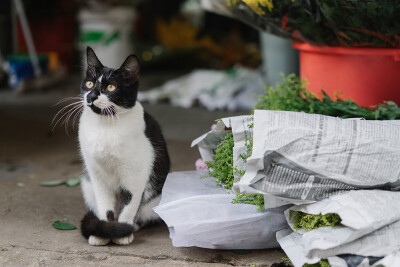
370,226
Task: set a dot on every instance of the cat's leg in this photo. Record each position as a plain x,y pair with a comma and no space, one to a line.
134,189
88,193
146,214
105,202
90,200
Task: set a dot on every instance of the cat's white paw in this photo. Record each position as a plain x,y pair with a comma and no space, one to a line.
123,240
98,241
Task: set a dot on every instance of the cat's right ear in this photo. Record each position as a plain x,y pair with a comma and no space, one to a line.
92,61
131,67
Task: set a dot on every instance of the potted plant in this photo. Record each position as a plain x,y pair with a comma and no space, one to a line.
346,45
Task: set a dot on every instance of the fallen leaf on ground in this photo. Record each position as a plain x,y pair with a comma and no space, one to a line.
73,182
53,183
70,182
63,225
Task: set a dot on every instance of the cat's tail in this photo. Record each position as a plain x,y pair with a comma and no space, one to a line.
91,225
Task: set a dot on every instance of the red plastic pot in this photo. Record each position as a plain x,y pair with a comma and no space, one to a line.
368,76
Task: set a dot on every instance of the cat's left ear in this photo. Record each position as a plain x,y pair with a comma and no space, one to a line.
92,60
131,67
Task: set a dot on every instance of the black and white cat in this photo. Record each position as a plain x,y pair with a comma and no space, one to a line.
125,154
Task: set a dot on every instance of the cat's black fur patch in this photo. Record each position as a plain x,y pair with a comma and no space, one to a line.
91,225
110,216
85,174
161,164
125,197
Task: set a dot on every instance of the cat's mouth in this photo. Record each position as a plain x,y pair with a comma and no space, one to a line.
107,111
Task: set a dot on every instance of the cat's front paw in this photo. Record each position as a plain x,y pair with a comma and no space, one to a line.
98,241
123,240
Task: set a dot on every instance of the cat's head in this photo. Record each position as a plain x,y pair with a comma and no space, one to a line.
109,91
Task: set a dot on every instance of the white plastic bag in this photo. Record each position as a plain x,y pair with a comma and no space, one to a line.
200,213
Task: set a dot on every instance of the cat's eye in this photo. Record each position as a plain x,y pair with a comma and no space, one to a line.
111,87
89,84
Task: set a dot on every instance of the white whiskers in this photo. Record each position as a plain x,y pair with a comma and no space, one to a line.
67,112
74,109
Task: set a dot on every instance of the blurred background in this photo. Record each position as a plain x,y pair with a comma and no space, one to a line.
201,60
197,65
177,36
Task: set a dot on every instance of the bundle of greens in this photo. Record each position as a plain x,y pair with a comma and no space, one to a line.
222,169
222,166
292,95
321,263
310,221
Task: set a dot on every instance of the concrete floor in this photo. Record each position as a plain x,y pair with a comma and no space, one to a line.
30,153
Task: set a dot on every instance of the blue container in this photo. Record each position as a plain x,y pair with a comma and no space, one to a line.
20,68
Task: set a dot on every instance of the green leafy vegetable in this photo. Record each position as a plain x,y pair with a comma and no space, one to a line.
292,95
254,199
321,263
222,166
60,225
310,221
222,169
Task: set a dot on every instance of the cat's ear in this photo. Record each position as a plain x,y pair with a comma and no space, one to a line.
131,67
92,61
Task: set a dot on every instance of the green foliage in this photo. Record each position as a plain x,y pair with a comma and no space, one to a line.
222,169
310,221
292,95
222,166
371,23
321,263
254,199
249,145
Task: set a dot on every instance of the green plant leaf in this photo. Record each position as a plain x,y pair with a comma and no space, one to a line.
63,225
73,182
53,183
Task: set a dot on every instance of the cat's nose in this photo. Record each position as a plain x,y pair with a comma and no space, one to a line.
92,96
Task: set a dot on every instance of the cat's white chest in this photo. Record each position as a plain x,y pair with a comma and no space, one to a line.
102,144
115,149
